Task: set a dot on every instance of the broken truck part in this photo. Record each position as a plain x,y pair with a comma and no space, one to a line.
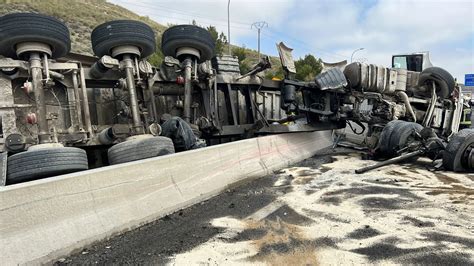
388,107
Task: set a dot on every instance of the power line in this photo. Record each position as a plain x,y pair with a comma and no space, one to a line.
245,26
306,47
211,21
309,45
185,13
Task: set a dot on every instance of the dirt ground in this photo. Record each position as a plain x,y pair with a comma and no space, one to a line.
317,212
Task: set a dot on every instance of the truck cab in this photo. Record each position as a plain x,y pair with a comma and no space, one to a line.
413,62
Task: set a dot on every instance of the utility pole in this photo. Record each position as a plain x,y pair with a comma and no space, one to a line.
228,27
259,26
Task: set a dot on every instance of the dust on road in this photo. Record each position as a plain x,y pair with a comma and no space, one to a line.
317,212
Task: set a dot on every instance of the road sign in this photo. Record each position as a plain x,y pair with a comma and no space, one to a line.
469,80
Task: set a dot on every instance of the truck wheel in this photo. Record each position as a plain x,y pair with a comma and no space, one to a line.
384,141
30,27
191,36
141,148
456,156
47,162
116,33
443,80
401,136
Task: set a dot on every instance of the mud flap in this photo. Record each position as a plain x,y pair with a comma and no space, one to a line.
286,58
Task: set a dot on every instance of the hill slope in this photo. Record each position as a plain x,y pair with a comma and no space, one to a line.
82,16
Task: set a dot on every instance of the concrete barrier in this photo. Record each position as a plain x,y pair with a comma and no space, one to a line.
45,219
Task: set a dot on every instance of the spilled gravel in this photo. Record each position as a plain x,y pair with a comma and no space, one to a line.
316,213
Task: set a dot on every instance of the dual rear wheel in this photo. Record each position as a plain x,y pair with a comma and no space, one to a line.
396,136
458,155
20,35
51,36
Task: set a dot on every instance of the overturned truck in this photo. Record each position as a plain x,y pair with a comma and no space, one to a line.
63,112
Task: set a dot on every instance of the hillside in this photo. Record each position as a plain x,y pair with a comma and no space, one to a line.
82,16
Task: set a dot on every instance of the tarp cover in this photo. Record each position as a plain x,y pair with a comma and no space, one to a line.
181,134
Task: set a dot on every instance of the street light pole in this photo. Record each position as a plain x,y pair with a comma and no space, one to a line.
228,27
356,50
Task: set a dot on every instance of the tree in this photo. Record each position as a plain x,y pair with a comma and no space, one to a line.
278,74
220,40
240,53
308,67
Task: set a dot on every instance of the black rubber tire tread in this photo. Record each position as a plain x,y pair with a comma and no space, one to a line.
16,28
384,141
455,148
443,79
226,64
188,36
400,136
115,33
36,164
138,149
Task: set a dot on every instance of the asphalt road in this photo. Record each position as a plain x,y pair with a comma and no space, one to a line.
316,212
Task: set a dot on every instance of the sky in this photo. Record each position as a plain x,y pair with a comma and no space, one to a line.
333,29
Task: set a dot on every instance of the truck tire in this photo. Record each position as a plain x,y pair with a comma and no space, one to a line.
188,36
115,33
226,64
384,141
455,156
443,79
30,27
138,149
401,136
47,162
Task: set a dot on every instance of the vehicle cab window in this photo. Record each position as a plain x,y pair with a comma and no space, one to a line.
399,62
408,62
